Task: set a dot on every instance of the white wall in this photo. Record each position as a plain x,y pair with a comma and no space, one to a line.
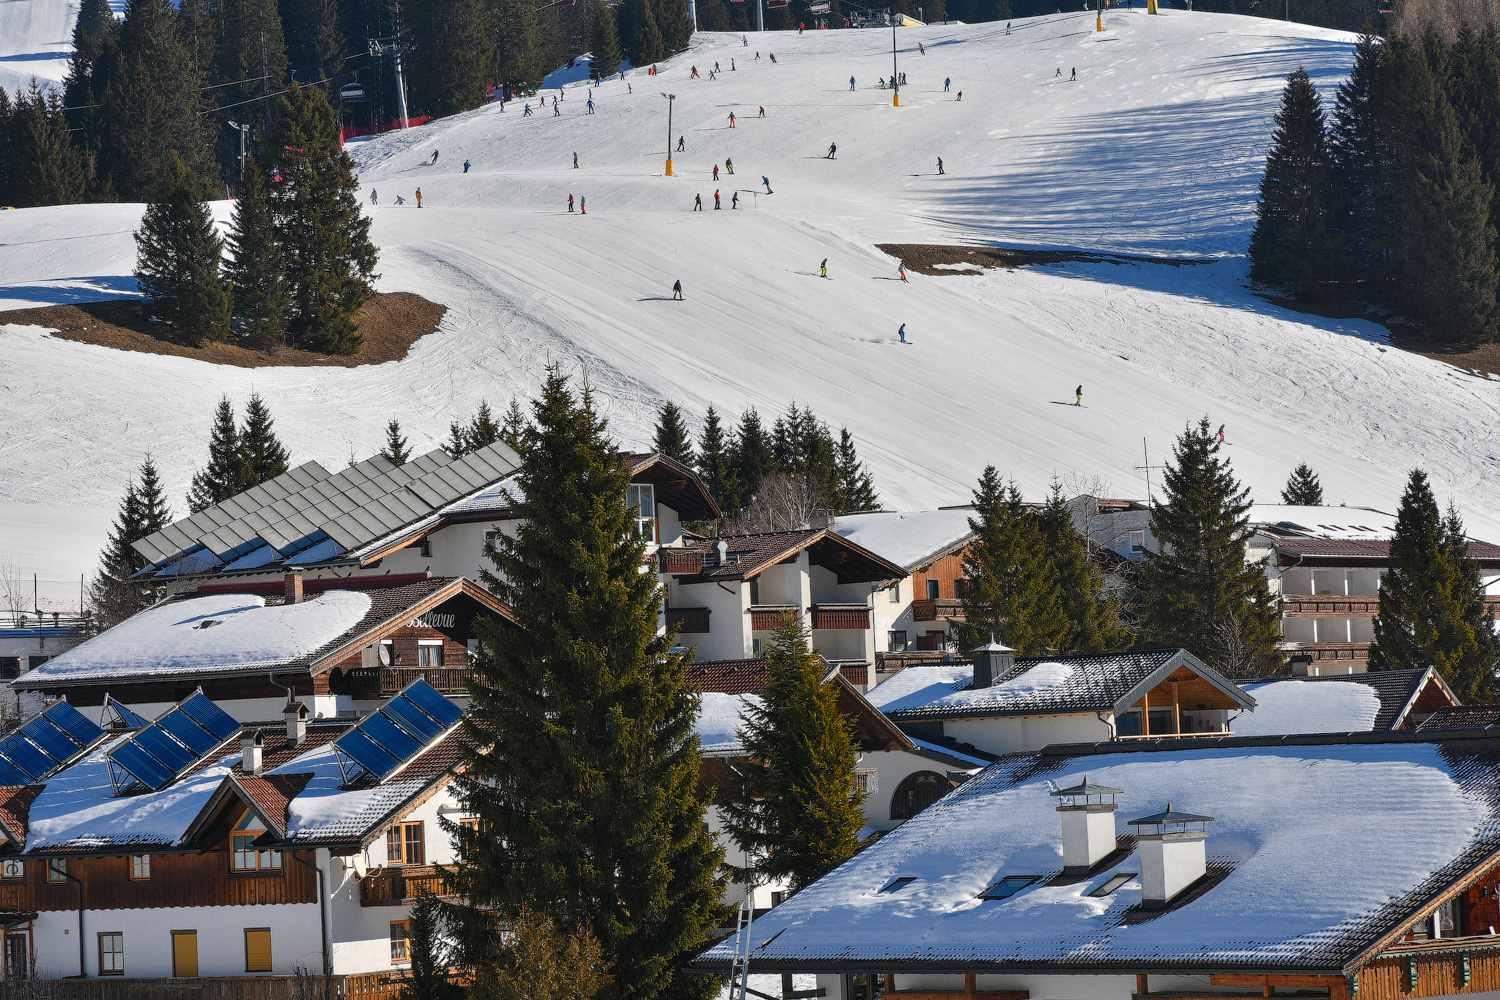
734,892
1011,734
728,637
891,767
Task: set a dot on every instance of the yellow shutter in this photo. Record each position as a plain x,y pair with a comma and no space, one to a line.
184,953
258,949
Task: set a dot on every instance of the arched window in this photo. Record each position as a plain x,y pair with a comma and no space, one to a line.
916,792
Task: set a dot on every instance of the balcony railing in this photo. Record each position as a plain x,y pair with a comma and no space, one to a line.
694,620
1329,606
379,682
937,609
680,561
1341,652
768,617
397,885
855,616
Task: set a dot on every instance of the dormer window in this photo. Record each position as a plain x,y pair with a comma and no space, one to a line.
641,498
244,856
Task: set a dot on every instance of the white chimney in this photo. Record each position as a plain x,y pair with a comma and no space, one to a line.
1173,854
251,744
721,553
1088,824
295,714
992,661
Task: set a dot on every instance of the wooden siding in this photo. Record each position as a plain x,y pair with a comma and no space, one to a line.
942,609
403,884
768,617
840,617
1439,970
690,620
675,561
945,570
176,880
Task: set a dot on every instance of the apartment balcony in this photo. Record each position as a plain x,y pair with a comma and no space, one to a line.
679,561
688,620
1330,653
937,609
381,682
844,616
768,617
1344,605
404,884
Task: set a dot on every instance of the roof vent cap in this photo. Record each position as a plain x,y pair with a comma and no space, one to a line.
1172,851
992,660
1088,823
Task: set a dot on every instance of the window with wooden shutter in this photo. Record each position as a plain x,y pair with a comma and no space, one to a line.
257,949
403,844
112,953
399,934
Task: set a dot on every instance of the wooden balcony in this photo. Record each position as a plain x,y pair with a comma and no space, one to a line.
768,617
1329,606
939,609
694,620
399,885
382,682
1330,652
679,561
855,616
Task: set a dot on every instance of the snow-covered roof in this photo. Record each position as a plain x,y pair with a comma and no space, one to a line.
1322,849
720,720
1340,523
216,632
1037,686
1295,706
909,539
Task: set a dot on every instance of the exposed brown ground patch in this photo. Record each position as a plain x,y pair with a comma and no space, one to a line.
924,259
391,323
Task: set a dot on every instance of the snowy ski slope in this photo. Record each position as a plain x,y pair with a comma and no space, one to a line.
36,40
1156,150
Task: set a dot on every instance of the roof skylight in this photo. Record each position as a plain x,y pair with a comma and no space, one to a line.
1114,882
897,884
1009,886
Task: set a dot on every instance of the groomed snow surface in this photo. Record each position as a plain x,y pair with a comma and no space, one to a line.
1308,707
1155,150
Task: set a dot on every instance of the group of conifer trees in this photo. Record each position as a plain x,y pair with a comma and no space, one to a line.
1390,200
301,259
752,472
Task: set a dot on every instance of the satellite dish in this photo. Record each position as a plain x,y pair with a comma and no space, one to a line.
385,654
360,868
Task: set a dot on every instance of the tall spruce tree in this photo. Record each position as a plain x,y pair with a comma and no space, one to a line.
513,424
314,40
264,457
799,813
96,36
1473,85
1092,612
46,167
640,38
178,255
1288,245
604,43
453,55
113,596
672,436
587,780
753,457
676,24
250,63
198,21
853,486
150,106
482,430
1198,592
1432,606
1010,591
225,475
325,238
1302,488
517,45
395,451
1358,170
716,462
255,271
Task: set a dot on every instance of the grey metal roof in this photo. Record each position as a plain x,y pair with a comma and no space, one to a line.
353,507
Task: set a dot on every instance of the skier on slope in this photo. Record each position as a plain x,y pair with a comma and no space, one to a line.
731,119
717,206
947,82
419,197
823,268
682,144
762,111
434,156
1221,435
1078,396
1075,74
575,161
697,203
901,269
716,173
591,105
851,83
583,205
570,202
833,147
940,165
735,201
556,112
767,182
526,113
466,166
902,333
960,96
695,74
374,197
729,166
921,49
677,290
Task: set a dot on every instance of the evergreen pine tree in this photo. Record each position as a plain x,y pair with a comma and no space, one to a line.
672,437
325,238
458,440
178,255
1358,170
513,424
640,37
255,271
1432,607
753,457
46,168
428,953
604,43
150,106
1302,488
483,431
854,487
96,36
395,451
7,142
1010,592
198,21
799,813
1288,245
264,457
314,39
1474,92
453,55
1092,612
517,46
113,596
1198,593
587,783
676,24
225,474
715,462
250,62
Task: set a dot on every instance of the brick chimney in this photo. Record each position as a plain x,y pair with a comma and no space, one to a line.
295,714
1172,852
991,661
1088,824
291,588
251,744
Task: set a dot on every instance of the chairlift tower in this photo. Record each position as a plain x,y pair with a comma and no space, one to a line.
381,47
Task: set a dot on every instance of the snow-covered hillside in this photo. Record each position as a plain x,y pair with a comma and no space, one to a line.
1156,150
36,40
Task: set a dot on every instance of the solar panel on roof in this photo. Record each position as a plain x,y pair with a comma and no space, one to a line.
49,738
74,723
426,697
25,756
390,737
413,719
12,775
210,716
366,753
187,732
128,718
173,755
140,765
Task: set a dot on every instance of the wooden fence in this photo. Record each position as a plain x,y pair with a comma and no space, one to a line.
374,986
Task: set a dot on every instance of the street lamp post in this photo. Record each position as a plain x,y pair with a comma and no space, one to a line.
895,76
670,98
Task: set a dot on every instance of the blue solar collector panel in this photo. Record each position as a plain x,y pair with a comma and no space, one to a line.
210,716
187,732
49,739
173,755
413,719
25,756
426,697
366,753
141,765
390,737
12,775
74,723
